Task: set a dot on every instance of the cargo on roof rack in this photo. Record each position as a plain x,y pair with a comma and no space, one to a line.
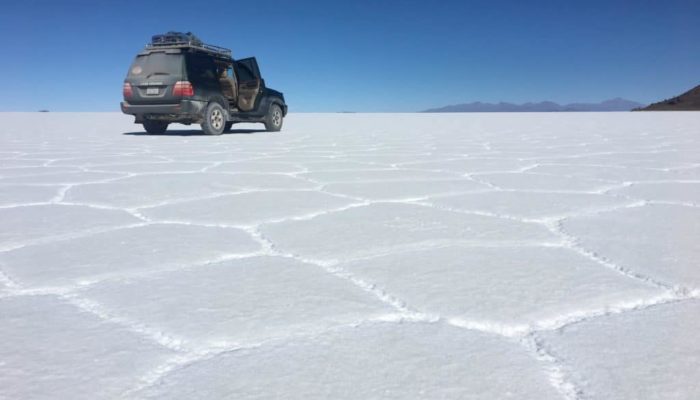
185,40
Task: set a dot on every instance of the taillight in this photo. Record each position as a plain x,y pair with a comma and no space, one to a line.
126,91
183,89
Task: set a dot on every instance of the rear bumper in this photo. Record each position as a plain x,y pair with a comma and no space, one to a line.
185,110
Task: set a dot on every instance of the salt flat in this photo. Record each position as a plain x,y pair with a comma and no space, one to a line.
351,256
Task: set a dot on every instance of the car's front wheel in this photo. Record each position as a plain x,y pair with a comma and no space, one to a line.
214,120
155,127
274,118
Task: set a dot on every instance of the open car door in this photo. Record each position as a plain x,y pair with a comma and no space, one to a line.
249,83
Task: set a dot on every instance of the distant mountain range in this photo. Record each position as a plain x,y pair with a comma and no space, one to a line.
688,101
616,104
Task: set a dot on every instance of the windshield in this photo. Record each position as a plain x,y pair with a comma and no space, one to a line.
156,64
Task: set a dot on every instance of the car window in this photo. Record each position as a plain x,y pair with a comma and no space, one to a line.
201,69
244,74
156,64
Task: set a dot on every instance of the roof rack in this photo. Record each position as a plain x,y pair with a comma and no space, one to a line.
185,40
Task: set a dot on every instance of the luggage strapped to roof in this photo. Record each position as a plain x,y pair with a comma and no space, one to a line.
186,40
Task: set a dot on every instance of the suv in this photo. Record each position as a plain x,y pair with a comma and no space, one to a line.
177,78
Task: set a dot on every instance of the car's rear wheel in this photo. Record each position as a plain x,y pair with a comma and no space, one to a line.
274,118
155,127
214,120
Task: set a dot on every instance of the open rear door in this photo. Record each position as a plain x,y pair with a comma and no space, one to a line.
249,83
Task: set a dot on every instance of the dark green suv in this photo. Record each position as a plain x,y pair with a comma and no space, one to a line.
177,78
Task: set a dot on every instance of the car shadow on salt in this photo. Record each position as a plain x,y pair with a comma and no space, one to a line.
194,132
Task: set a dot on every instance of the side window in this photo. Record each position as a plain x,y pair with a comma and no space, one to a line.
225,71
244,74
200,69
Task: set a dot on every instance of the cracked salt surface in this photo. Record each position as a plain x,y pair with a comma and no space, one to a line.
397,190
372,361
63,178
85,259
606,172
239,302
23,225
52,350
153,167
530,181
381,227
258,167
247,208
509,288
471,165
377,175
21,194
648,354
153,189
657,240
679,192
30,172
352,256
530,205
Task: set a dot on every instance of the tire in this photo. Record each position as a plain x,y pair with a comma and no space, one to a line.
214,119
155,127
274,119
227,127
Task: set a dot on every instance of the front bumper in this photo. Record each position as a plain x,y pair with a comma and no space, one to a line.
185,110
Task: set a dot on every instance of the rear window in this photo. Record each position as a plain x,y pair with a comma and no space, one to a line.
156,64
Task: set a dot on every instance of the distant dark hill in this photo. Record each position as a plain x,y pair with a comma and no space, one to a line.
616,104
688,101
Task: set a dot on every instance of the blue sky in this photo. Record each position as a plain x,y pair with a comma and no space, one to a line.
364,55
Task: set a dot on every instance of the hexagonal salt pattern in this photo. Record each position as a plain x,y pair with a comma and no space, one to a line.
139,250
31,171
504,289
672,192
11,195
10,163
240,302
64,178
351,256
248,208
90,160
153,167
372,361
382,227
530,205
657,241
648,354
158,189
398,190
52,350
378,175
472,165
542,182
612,173
258,166
22,225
